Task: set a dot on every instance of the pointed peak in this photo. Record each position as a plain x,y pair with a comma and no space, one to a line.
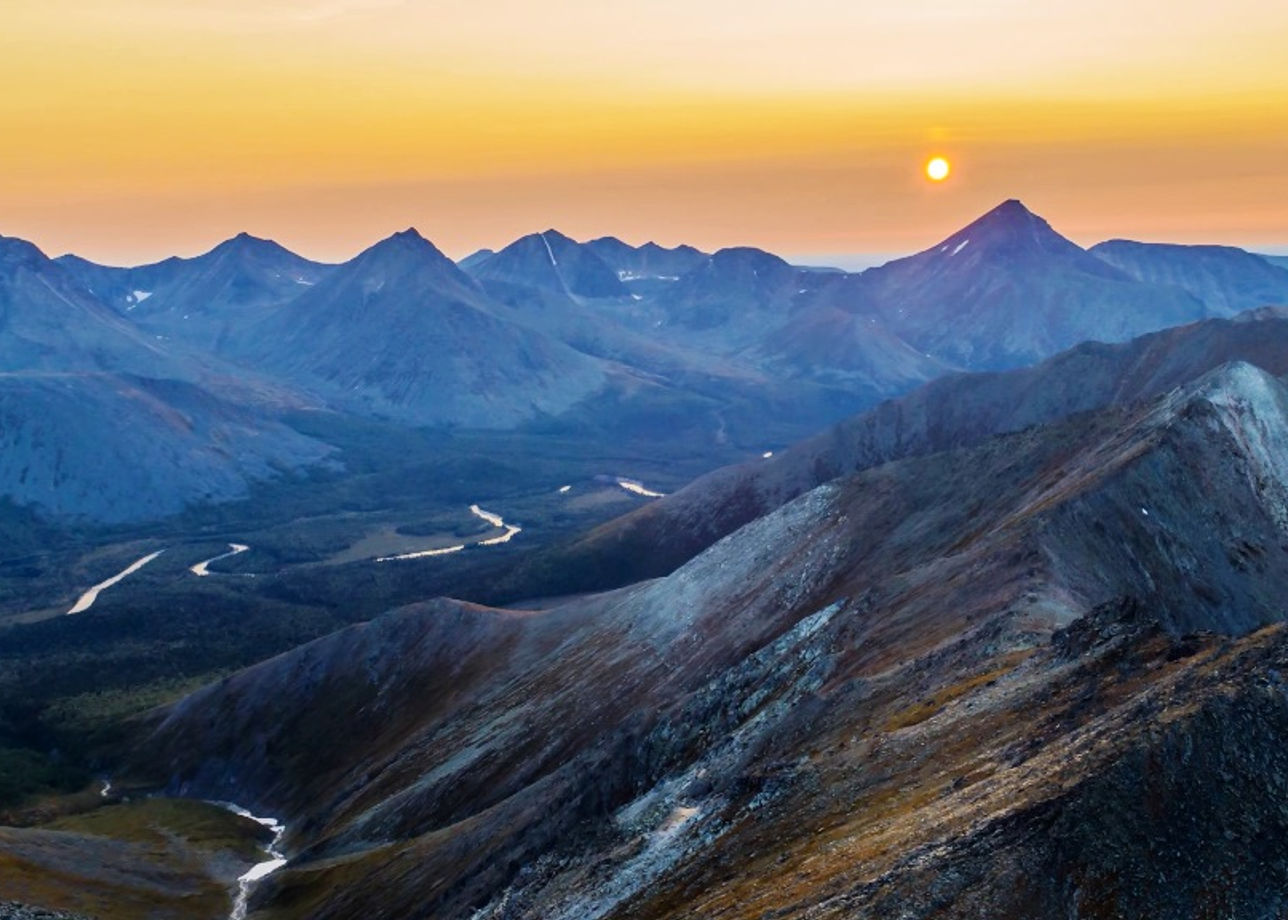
1009,228
409,240
1010,213
1236,380
404,247
552,236
246,243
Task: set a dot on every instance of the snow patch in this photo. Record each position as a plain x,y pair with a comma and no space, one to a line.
960,246
637,488
550,252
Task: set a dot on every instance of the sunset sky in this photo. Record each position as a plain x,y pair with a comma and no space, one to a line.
134,129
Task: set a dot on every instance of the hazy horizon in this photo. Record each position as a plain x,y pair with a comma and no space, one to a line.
847,260
143,128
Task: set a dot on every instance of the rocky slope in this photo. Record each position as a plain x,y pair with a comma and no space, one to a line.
902,694
48,322
954,411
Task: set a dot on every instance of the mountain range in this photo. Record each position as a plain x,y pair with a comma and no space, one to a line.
740,347
966,598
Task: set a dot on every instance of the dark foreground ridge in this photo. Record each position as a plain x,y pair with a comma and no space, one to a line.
975,681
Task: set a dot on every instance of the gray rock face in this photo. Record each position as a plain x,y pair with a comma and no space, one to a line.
1228,280
11,910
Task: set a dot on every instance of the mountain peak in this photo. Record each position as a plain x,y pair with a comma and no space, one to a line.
1010,230
1011,214
247,244
16,251
409,240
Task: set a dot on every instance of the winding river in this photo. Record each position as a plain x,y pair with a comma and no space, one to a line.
202,569
87,599
494,519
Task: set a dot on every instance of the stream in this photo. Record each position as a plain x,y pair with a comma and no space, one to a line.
260,870
202,569
494,519
89,597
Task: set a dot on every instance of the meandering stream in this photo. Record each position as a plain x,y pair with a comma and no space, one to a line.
202,569
494,519
89,597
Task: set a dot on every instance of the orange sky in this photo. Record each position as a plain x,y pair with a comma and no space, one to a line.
133,129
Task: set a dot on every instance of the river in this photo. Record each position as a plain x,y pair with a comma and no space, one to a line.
89,597
491,517
259,870
203,568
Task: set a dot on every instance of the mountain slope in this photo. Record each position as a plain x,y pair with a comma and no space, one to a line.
733,298
801,719
201,300
100,421
48,323
953,411
112,449
1226,279
551,261
400,331
1008,290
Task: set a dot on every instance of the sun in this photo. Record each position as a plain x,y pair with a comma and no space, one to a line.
937,169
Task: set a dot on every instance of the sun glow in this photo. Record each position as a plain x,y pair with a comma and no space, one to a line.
937,169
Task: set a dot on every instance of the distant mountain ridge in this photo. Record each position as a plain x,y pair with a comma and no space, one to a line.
202,300
555,262
737,344
401,331
953,411
1227,280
